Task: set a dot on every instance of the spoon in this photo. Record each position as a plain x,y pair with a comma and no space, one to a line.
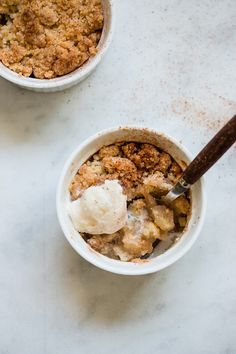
206,158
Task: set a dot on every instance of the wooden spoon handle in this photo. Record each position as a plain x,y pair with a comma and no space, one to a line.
211,153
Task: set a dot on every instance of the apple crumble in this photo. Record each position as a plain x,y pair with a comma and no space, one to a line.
45,39
144,174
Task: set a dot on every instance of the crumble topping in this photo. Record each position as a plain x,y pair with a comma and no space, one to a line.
145,158
145,172
48,38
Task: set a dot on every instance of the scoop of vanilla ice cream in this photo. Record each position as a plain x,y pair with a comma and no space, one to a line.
100,210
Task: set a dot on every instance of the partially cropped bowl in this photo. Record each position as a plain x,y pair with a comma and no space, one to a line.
87,149
76,76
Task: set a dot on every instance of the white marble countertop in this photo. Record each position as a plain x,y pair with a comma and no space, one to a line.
171,66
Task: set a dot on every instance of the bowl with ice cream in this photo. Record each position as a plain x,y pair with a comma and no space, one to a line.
109,201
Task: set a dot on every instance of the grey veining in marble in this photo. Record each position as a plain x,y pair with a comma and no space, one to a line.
171,66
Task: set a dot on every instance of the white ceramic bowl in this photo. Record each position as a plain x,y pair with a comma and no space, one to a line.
88,148
71,79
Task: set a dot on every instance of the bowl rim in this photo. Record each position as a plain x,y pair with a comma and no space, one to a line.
74,76
87,255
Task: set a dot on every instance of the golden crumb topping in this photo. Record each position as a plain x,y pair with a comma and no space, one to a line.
48,38
145,158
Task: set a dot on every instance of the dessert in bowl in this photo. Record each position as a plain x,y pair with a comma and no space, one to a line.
109,207
52,45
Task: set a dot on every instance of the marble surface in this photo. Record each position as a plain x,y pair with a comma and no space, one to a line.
171,66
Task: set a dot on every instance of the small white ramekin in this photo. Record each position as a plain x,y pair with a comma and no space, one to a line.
71,79
88,148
